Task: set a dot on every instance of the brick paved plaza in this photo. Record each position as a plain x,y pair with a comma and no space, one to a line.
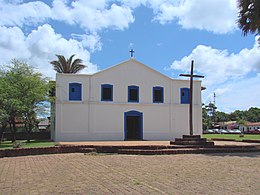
125,174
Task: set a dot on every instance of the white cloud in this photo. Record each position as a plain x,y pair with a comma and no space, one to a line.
218,65
134,3
241,95
226,74
223,90
97,18
91,41
90,15
216,16
13,1
12,44
18,14
40,47
62,12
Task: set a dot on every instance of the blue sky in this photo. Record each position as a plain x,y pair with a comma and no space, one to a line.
165,34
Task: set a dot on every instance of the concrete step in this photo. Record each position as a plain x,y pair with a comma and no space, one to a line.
191,139
202,143
191,136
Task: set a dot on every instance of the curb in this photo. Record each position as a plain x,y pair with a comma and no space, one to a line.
188,151
133,150
44,150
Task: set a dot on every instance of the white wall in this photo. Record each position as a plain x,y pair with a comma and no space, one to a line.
92,119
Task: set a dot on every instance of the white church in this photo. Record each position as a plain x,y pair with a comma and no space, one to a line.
128,101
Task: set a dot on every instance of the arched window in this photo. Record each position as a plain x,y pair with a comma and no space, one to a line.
75,91
185,95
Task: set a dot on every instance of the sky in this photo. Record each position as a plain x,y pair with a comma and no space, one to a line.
165,34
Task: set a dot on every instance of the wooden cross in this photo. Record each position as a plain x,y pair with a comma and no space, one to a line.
132,53
191,75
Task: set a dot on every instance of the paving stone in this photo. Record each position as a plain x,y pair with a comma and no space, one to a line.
131,174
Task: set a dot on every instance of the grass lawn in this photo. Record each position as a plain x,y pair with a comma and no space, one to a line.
31,144
232,136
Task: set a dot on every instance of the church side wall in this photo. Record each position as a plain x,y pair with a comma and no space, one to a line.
72,117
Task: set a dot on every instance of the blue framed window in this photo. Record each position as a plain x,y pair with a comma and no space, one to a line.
185,95
106,92
75,91
158,95
133,93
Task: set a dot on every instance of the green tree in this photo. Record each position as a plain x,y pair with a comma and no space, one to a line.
241,117
252,115
3,110
211,110
236,115
23,95
249,16
206,119
63,65
221,116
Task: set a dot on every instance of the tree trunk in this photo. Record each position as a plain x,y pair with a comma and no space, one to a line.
2,131
28,132
28,128
13,129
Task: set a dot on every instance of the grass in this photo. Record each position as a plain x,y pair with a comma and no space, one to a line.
24,144
232,136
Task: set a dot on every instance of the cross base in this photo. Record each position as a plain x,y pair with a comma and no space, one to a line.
192,140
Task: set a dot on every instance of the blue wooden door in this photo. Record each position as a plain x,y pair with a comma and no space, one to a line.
133,125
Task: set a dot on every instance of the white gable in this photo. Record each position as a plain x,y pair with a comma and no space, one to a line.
134,67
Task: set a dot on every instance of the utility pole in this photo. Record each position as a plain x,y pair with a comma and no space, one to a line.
214,98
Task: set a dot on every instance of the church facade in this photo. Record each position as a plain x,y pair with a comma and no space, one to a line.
129,101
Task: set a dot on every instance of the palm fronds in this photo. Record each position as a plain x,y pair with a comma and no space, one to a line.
63,65
249,16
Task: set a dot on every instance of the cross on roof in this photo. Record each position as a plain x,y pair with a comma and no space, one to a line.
191,75
132,53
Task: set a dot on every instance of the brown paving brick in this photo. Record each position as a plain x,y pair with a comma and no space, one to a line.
130,174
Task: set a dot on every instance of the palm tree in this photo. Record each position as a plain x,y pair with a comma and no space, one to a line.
67,66
249,16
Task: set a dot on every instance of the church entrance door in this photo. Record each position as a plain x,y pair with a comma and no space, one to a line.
133,125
